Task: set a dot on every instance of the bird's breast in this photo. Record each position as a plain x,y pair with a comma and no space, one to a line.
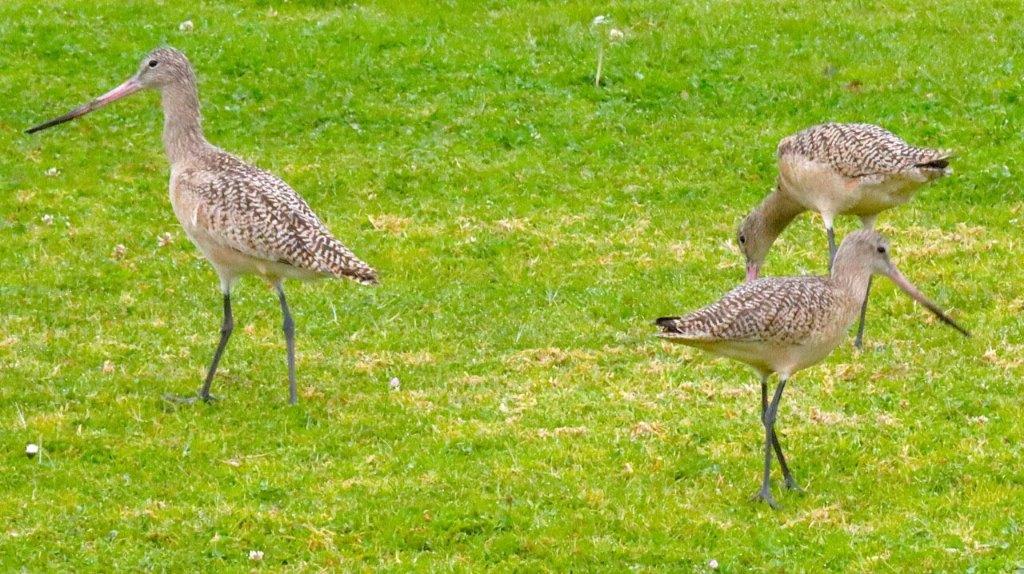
816,185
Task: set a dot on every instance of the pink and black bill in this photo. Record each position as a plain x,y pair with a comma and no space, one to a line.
125,89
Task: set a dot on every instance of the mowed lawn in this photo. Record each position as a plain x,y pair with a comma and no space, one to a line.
527,226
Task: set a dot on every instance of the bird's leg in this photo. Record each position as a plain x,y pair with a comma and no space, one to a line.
786,474
226,326
831,245
289,337
765,494
859,341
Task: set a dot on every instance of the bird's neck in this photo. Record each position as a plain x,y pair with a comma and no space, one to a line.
852,276
777,211
183,130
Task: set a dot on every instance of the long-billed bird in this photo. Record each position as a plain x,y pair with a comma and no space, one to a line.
838,169
244,220
782,325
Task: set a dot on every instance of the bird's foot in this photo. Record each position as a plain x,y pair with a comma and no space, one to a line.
189,399
792,485
765,495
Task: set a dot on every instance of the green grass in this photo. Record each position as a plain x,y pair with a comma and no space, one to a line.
527,226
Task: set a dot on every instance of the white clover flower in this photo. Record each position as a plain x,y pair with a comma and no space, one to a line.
52,172
256,555
615,35
186,26
394,384
600,20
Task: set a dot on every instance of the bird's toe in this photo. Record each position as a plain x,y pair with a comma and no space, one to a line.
765,495
793,486
188,399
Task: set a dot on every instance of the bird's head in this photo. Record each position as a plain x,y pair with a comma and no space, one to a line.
868,250
160,68
164,67
754,241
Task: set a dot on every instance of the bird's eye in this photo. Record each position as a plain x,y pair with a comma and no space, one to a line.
743,239
881,249
153,63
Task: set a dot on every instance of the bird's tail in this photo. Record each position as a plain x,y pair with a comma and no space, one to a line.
668,324
341,262
933,163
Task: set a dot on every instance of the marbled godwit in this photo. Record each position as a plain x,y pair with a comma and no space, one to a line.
243,219
838,169
782,325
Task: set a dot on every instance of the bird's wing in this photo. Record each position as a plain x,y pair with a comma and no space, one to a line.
774,309
866,151
256,213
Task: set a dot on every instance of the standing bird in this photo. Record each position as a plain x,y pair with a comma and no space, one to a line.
244,220
838,169
782,325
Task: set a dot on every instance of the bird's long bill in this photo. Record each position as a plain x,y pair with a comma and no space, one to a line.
125,89
753,270
916,295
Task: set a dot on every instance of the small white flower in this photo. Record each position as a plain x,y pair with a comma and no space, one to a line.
186,26
255,555
164,239
52,172
615,35
47,219
602,19
394,384
119,251
31,450
713,564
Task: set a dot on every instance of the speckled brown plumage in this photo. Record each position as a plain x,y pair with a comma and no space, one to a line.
780,310
784,324
244,219
247,209
862,150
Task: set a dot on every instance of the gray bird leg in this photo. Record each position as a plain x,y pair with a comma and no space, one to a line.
289,337
226,326
859,341
765,494
791,483
831,246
